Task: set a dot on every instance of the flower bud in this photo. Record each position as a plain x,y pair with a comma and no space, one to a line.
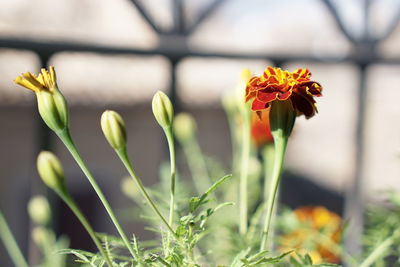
43,237
51,171
113,127
51,103
53,110
162,109
129,188
39,210
184,127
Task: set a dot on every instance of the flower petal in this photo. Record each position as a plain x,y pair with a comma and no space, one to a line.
265,96
304,104
258,105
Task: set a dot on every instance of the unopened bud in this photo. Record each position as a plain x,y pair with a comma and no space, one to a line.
162,109
39,210
184,126
113,127
53,109
51,171
129,188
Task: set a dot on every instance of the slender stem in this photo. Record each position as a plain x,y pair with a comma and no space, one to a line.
268,154
280,149
244,172
123,155
68,142
10,244
171,146
78,213
380,250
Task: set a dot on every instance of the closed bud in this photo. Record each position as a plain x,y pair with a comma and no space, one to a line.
113,127
51,171
53,110
39,210
184,126
162,109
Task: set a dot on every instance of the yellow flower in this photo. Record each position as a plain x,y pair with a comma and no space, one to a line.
318,230
51,103
45,81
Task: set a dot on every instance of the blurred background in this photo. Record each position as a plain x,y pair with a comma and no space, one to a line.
117,54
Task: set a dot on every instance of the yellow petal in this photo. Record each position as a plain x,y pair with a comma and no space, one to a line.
23,82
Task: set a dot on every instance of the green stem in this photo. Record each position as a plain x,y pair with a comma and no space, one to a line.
123,155
78,213
268,155
380,250
171,147
280,149
68,142
10,244
244,173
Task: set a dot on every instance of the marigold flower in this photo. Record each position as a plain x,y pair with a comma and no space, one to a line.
315,220
276,84
51,103
261,130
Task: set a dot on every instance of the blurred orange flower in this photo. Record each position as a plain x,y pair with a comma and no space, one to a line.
320,229
260,129
276,84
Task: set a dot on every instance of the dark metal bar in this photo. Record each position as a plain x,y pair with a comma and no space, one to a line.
146,16
179,18
354,205
40,47
212,7
339,21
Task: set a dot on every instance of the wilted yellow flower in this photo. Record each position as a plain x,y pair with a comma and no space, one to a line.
51,103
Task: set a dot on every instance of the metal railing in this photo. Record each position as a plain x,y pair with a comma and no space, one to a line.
364,53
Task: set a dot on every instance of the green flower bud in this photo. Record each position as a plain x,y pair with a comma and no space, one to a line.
51,103
129,188
43,237
53,110
113,127
184,126
39,210
51,171
162,109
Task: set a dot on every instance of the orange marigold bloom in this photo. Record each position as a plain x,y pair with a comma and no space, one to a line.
315,219
276,84
261,130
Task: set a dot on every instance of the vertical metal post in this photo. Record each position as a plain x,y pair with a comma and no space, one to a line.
354,206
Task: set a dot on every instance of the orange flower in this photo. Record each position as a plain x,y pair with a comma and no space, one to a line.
278,85
316,222
261,130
